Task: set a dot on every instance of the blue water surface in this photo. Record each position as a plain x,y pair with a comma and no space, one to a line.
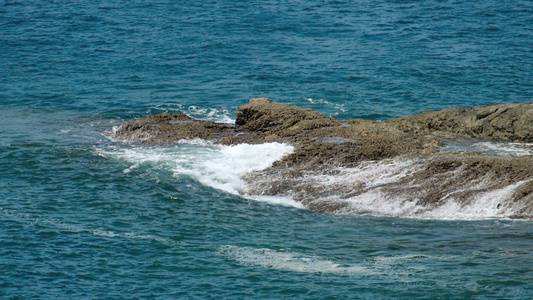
77,223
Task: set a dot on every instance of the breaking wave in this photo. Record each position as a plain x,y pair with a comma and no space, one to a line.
400,187
216,166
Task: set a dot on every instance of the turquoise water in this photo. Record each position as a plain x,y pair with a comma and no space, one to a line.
85,216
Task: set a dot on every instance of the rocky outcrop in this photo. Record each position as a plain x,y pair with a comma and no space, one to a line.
328,147
169,128
263,115
504,122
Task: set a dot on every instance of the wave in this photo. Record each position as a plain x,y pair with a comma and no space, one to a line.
402,187
216,166
394,168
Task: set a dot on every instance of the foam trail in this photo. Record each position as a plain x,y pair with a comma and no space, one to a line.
369,178
36,219
288,261
401,267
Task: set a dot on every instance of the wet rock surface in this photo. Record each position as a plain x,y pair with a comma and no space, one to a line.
504,122
417,178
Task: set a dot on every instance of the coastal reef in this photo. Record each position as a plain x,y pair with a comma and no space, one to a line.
459,162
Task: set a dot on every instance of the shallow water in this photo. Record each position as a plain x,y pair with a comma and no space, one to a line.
85,216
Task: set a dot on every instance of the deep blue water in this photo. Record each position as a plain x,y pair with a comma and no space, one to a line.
86,216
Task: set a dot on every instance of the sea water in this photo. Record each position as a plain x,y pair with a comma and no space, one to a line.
83,215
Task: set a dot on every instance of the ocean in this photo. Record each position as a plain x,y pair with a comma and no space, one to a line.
86,216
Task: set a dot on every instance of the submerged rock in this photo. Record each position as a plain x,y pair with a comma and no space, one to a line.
394,167
169,128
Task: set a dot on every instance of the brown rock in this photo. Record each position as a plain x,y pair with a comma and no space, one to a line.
170,128
263,115
503,122
325,146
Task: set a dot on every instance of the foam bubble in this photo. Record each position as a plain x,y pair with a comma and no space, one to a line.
288,261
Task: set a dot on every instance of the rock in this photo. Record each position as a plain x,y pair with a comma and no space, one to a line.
503,122
263,115
170,128
407,150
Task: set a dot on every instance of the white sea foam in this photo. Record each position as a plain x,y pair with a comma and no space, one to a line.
289,261
490,204
339,107
491,148
368,178
224,166
401,267
377,202
220,115
384,188
370,173
211,114
216,166
284,201
374,187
